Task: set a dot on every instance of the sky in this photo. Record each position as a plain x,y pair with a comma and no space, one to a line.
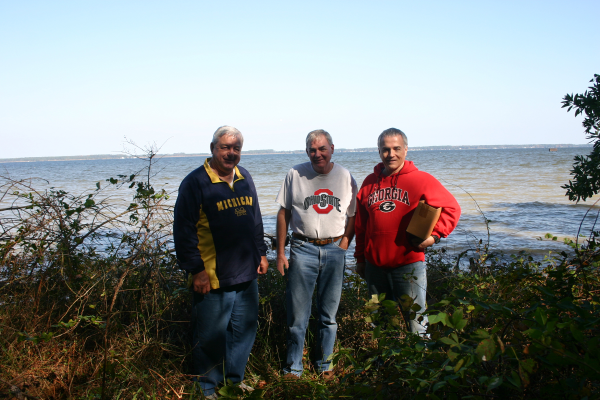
81,77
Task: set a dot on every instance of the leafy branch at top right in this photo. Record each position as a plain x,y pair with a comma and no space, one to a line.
586,169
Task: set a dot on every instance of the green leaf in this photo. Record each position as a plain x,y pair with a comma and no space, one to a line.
439,385
440,317
231,392
486,350
527,365
447,340
459,364
456,320
452,382
480,334
461,324
452,355
514,379
376,332
460,293
494,382
540,316
533,333
389,303
577,334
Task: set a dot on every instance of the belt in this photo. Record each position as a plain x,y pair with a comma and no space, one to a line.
318,242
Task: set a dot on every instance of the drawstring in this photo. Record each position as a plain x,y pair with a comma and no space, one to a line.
394,181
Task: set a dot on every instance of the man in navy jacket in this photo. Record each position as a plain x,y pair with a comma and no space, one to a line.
219,240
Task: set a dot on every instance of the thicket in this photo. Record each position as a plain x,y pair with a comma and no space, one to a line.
586,169
92,305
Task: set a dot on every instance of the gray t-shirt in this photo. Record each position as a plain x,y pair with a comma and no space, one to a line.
319,202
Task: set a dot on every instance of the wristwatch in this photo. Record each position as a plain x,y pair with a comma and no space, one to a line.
436,238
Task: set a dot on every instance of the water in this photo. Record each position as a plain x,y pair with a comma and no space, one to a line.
517,189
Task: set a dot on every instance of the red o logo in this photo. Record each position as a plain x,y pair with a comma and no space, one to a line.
329,207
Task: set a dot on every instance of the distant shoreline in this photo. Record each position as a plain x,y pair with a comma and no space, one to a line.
270,151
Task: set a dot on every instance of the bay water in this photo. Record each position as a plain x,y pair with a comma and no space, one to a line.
517,190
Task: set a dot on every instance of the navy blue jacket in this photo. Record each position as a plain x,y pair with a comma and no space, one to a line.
218,228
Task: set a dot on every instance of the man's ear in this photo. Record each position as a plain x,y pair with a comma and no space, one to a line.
212,147
332,148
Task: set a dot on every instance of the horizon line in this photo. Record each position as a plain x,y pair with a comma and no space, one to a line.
122,155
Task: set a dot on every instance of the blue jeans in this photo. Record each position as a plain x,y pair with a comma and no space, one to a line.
410,279
309,265
224,325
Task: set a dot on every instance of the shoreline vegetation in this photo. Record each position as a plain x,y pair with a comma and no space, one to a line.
271,151
93,306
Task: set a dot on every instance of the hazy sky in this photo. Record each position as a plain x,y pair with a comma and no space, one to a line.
78,76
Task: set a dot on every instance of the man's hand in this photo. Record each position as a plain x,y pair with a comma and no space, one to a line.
283,221
282,264
344,243
201,283
263,266
422,244
360,269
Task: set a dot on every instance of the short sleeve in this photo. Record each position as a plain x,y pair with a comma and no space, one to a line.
284,197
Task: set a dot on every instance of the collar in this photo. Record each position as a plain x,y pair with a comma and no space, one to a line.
214,178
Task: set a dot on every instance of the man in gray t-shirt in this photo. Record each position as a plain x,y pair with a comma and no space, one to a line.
318,202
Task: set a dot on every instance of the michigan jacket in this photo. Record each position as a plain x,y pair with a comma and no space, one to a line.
218,228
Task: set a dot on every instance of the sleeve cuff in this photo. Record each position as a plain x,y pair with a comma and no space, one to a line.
192,266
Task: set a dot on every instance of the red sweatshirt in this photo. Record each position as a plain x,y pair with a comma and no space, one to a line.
384,208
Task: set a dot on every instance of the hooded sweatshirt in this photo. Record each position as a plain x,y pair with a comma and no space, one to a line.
385,205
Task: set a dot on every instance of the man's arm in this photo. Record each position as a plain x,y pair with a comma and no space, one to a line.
189,202
439,196
259,233
360,226
263,266
283,221
422,244
348,233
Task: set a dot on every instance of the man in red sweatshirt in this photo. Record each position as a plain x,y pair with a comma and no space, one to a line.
387,257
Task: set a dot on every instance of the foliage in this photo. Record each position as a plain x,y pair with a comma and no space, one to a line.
517,331
88,288
93,306
586,169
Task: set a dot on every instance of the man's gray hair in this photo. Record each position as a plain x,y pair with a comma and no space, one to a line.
229,131
313,135
391,132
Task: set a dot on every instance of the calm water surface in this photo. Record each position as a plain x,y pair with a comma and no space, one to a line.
517,189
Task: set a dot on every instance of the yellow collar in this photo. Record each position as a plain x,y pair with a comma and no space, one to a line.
214,178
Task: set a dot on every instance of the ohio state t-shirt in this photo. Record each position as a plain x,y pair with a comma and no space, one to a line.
319,203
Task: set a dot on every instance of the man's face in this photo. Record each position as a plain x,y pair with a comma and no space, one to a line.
393,153
226,153
319,152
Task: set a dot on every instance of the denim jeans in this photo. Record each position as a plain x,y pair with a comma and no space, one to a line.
312,265
410,279
224,325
